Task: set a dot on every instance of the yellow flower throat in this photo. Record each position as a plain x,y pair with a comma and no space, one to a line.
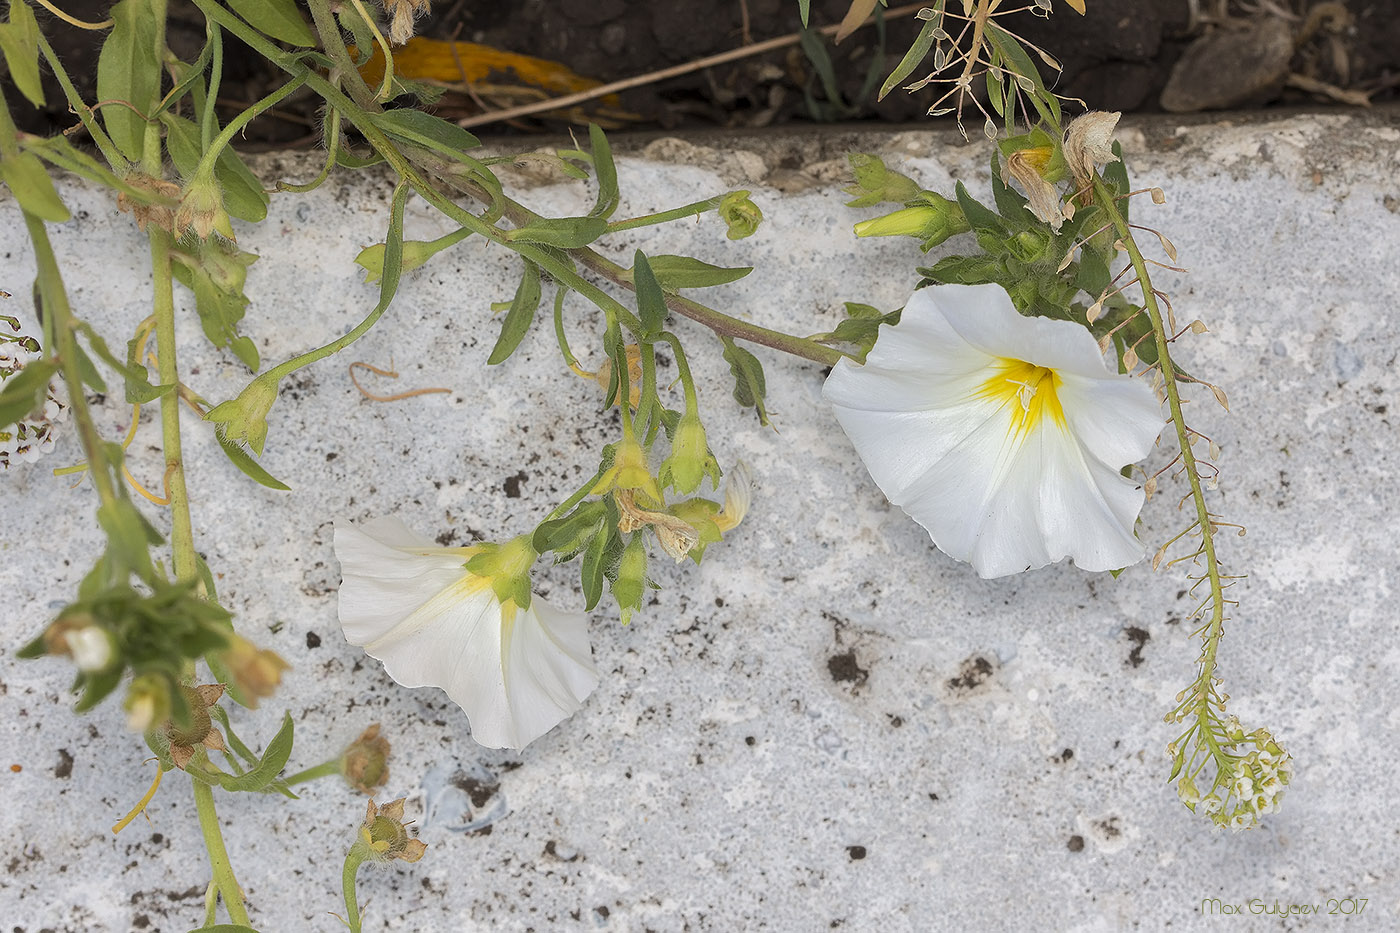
1027,390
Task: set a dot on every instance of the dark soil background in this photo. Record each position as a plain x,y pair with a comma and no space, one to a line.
1118,57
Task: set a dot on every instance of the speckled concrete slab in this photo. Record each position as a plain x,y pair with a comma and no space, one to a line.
829,725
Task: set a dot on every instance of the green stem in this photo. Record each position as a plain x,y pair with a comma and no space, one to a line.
1216,622
559,295
682,370
353,860
332,135
216,74
334,45
297,362
579,495
109,149
211,903
324,769
181,529
54,301
547,259
219,865
661,217
236,125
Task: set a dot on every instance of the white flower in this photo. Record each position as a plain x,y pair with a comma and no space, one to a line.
91,648
1003,435
516,672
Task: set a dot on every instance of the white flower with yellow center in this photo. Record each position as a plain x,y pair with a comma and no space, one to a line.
1003,435
517,670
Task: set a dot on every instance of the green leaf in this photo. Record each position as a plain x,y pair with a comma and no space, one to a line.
225,928
245,462
996,93
19,41
651,302
29,182
1093,276
749,384
606,172
244,196
562,232
279,19
922,43
814,48
677,272
1015,60
1116,174
424,129
982,220
860,329
804,7
274,759
519,317
216,277
25,391
595,563
964,270
138,383
128,71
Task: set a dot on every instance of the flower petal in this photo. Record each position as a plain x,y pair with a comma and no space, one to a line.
548,673
387,573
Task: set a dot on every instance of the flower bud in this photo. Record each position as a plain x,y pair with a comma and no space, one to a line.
631,582
245,418
147,702
689,454
876,184
933,219
365,762
91,648
202,209
629,470
740,214
255,671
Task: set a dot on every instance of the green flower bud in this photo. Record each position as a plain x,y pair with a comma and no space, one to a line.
932,218
740,214
245,418
876,184
690,455
202,208
631,582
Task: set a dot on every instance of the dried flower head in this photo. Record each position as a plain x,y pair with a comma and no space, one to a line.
199,731
401,15
365,761
1089,143
385,836
159,210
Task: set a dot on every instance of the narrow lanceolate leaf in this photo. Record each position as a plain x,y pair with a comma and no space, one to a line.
27,180
424,129
804,7
519,317
245,462
561,232
128,74
677,272
1015,60
651,303
855,15
19,41
605,171
280,19
138,383
749,384
922,43
273,760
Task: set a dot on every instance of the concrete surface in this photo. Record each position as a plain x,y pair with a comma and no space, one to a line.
829,725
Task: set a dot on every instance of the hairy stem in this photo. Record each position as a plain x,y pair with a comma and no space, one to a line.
167,367
353,860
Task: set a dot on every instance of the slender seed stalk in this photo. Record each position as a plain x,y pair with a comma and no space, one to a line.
1215,624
